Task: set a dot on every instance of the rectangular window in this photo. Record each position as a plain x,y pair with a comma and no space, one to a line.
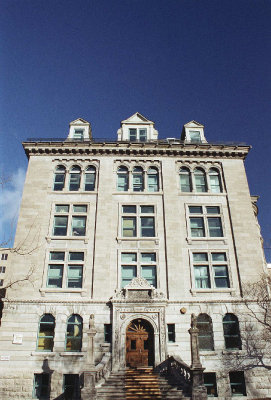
132,134
78,134
1,282
65,269
210,383
238,384
4,256
171,333
70,220
41,386
138,265
108,333
211,270
142,135
195,136
138,221
71,386
2,270
205,221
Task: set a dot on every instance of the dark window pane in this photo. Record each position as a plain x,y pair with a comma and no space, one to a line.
129,209
147,227
210,383
238,385
212,210
60,226
195,209
147,209
107,333
171,332
215,227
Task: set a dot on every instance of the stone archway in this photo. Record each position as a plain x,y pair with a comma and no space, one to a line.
139,343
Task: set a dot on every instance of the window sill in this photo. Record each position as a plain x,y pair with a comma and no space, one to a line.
50,238
81,291
130,239
130,192
72,192
207,353
180,193
72,353
43,353
191,240
195,291
233,352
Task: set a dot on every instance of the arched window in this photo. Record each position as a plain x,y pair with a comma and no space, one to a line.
185,180
123,179
46,333
90,178
231,332
59,179
205,335
138,179
153,180
74,333
75,178
215,181
200,180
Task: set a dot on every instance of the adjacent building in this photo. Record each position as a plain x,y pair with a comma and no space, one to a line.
127,239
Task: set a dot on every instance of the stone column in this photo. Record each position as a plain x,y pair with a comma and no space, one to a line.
199,391
89,392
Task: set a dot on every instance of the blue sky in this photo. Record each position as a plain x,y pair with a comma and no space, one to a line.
103,60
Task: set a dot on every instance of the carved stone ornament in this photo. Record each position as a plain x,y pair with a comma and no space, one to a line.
138,283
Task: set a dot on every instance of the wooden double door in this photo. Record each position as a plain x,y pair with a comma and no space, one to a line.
139,344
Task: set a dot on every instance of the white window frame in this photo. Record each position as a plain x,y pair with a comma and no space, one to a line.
209,263
204,215
206,169
70,214
130,177
138,264
137,215
138,129
83,172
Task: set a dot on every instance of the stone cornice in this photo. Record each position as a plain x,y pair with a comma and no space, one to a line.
136,149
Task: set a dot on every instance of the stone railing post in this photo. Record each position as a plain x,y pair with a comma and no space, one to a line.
199,391
89,392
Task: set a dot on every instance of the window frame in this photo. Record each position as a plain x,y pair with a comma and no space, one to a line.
210,385
208,334
76,388
137,134
65,263
210,264
90,170
58,173
171,333
74,337
129,174
237,335
52,337
108,333
138,218
241,383
70,216
206,172
138,264
206,218
36,386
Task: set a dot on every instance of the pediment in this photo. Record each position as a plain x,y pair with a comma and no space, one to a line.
137,118
193,124
79,121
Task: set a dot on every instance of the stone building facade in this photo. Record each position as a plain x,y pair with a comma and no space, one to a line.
127,239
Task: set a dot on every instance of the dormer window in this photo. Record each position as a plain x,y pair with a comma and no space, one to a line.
195,136
78,134
137,128
193,132
137,135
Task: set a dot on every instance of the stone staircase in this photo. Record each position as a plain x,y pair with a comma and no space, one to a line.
137,384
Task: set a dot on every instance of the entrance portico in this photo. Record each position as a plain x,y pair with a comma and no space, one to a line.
139,301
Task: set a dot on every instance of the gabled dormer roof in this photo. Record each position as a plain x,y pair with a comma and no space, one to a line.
193,124
137,118
79,121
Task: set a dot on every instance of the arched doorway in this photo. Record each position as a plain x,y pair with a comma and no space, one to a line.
139,344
